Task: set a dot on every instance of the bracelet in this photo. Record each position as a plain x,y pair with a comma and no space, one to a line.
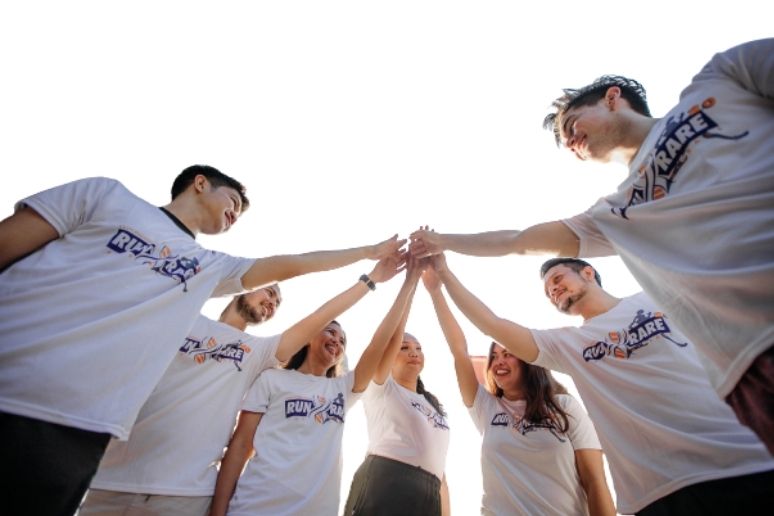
365,279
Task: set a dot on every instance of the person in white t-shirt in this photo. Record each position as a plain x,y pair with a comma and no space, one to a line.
98,288
293,420
692,220
164,469
408,438
672,445
540,453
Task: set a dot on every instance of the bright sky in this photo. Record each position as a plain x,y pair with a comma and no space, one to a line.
348,121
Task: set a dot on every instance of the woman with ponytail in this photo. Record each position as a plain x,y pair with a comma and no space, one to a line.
408,436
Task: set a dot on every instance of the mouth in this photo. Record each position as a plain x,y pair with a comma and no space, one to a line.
332,349
502,372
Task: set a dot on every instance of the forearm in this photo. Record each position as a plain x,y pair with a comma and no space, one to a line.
230,468
599,499
393,347
299,334
449,326
283,267
369,361
490,243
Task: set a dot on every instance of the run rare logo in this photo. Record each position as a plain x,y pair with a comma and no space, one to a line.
318,408
210,349
432,417
178,268
524,427
660,169
623,343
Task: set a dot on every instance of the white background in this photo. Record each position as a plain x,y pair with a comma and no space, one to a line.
348,122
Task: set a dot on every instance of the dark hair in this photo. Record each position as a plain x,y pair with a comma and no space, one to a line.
540,388
573,263
298,359
631,90
430,397
214,176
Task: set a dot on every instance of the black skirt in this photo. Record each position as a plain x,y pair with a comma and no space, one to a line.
386,487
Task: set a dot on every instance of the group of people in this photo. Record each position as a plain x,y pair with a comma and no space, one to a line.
122,388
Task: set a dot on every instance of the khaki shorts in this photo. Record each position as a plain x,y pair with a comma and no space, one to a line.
99,502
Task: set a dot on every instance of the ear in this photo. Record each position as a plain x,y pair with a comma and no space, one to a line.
588,274
612,95
201,183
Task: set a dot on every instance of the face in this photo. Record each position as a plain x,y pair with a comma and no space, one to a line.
590,132
329,345
222,205
565,288
259,306
506,369
410,359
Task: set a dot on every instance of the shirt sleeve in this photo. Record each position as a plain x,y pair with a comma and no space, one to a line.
478,412
265,349
233,268
593,242
581,432
258,397
550,355
349,382
68,206
751,65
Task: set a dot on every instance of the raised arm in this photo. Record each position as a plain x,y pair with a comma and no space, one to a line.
23,233
393,346
592,479
238,452
295,337
466,375
282,267
516,338
369,360
553,238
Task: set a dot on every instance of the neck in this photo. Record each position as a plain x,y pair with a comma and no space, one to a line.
407,381
635,130
514,394
596,304
313,367
181,208
233,319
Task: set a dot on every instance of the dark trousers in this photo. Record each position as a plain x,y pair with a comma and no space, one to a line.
753,398
745,495
386,487
46,468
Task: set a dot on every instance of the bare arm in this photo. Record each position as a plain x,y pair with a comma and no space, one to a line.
369,361
514,337
393,347
445,502
23,233
295,337
282,267
553,238
592,478
466,374
239,451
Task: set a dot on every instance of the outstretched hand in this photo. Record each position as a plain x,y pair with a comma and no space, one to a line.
389,266
425,242
386,247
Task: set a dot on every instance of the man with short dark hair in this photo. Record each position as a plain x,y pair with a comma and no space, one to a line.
97,291
693,219
673,446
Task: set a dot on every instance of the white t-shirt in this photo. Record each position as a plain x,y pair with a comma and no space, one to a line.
661,425
297,465
90,322
404,426
694,220
527,468
179,436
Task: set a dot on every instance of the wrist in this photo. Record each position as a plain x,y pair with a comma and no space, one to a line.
368,281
